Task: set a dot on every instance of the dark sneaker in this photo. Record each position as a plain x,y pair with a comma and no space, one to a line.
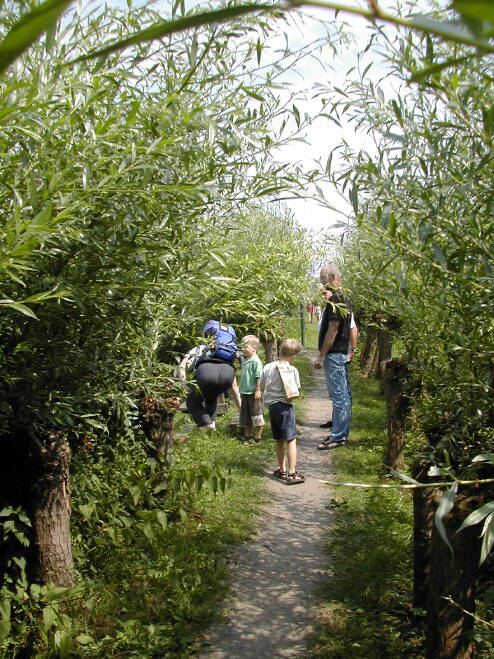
328,445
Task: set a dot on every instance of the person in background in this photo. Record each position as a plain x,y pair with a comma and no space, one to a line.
282,412
310,311
251,417
333,342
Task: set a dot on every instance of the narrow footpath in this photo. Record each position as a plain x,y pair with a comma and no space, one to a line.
275,576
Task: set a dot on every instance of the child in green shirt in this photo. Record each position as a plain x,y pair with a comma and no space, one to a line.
251,417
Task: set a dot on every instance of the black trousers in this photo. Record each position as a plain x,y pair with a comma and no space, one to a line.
213,378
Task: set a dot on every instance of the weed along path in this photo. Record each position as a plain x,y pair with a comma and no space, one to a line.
275,577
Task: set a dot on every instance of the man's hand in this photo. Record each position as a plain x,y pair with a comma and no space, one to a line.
318,362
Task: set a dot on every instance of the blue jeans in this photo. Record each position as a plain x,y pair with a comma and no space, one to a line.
336,381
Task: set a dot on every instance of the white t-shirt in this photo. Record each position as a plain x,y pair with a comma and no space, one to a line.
271,383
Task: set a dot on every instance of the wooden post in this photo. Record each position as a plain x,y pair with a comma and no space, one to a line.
302,323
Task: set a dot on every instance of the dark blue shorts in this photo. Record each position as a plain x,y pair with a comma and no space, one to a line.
282,417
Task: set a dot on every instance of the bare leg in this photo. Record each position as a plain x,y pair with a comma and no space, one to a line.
248,431
280,453
292,456
257,432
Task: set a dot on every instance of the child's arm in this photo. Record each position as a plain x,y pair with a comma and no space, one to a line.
297,378
235,393
183,366
258,392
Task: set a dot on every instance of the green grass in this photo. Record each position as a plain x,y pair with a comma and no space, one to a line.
294,331
367,611
156,587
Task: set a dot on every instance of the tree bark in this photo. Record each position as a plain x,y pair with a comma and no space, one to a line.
453,576
425,502
369,350
396,391
270,349
51,512
384,349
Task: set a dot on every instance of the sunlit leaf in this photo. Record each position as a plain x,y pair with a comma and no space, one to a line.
166,28
477,515
444,507
29,28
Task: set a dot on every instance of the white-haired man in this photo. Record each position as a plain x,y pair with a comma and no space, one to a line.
335,337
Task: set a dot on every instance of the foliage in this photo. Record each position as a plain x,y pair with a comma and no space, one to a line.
422,207
269,269
108,206
152,544
474,28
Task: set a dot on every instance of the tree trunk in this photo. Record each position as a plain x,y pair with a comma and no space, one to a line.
425,502
156,420
222,405
369,351
396,391
270,349
453,576
51,512
384,348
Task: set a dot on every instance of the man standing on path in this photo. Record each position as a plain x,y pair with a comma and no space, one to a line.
334,339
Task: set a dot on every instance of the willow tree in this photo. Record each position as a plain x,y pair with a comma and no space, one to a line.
420,250
112,169
268,270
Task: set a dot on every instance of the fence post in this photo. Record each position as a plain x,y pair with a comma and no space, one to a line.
302,323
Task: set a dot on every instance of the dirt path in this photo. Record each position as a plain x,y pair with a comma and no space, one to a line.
275,576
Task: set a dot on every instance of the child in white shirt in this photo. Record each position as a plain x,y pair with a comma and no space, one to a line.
281,410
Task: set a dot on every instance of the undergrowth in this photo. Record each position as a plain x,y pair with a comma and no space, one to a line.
153,550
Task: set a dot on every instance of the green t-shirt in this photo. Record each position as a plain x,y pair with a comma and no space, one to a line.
250,373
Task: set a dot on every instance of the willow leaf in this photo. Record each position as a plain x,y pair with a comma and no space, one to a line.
28,29
444,508
165,28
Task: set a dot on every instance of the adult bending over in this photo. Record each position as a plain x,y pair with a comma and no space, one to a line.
214,376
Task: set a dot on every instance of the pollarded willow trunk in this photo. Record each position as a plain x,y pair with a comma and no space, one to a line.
452,586
51,511
270,349
369,352
394,382
156,420
384,349
425,502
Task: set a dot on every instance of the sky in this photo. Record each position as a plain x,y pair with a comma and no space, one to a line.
323,134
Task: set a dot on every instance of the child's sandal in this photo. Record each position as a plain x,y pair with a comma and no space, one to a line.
280,474
293,479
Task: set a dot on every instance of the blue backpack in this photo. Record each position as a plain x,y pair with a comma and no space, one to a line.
225,346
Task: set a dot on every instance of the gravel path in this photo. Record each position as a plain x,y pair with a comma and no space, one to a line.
275,576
